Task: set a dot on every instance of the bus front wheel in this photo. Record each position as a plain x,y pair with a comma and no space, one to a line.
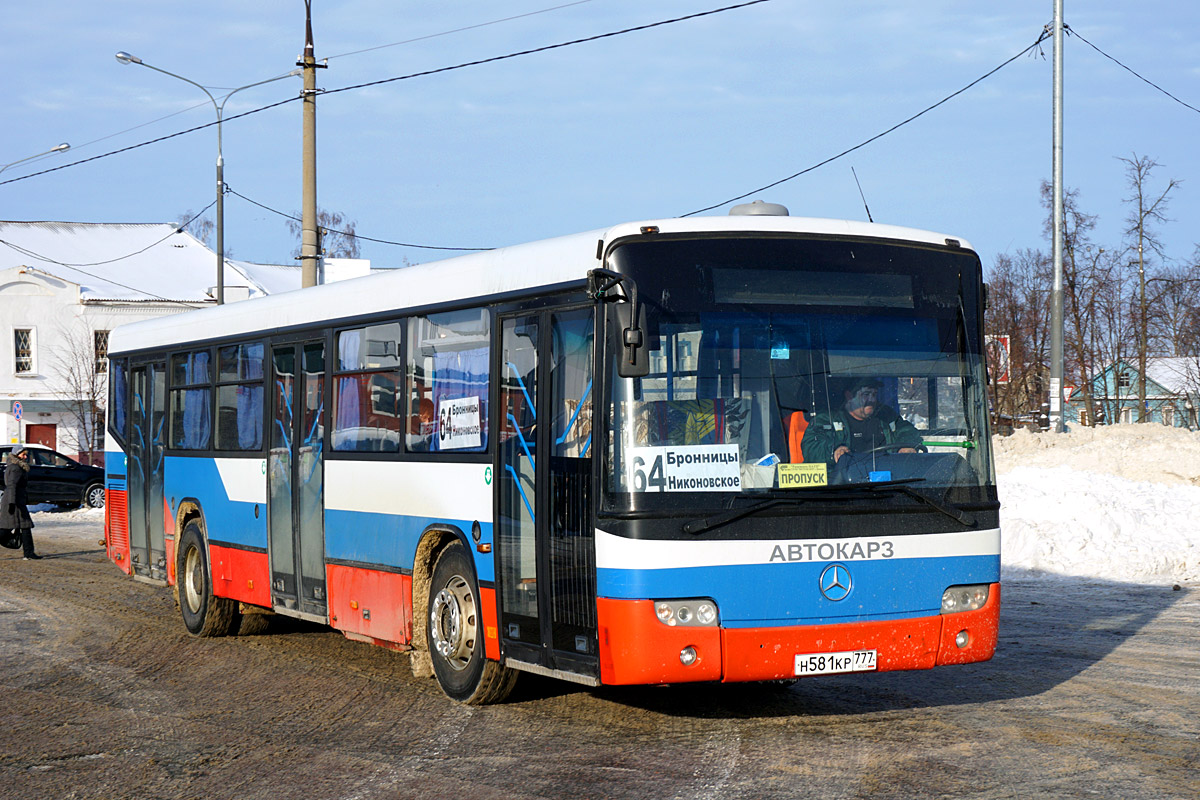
454,634
203,614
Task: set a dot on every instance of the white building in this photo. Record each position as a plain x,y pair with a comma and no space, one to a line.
65,285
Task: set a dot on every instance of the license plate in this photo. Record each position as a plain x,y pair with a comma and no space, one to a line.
832,663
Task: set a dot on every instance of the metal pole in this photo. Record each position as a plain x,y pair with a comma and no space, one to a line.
309,249
126,58
58,149
1056,305
220,219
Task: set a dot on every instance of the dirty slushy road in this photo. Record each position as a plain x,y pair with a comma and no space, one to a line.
1095,692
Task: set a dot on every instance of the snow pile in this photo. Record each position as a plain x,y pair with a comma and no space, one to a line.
1120,503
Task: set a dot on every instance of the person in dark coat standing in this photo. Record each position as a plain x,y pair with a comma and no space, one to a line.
14,508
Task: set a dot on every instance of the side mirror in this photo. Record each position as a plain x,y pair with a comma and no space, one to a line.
626,322
628,338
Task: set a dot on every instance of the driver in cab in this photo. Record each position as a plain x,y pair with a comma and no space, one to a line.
860,425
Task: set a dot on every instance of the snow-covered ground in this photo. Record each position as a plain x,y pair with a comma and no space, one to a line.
1119,503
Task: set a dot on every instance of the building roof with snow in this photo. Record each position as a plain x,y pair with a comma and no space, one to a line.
123,262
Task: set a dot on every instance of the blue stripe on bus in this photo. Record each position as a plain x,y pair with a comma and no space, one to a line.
390,540
784,594
226,520
114,462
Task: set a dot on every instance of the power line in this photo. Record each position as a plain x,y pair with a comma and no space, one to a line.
393,80
459,30
1073,32
150,142
419,38
874,138
353,235
548,47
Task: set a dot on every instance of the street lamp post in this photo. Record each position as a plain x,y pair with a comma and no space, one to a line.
126,58
56,149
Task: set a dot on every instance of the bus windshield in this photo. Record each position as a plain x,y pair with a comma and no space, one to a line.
786,365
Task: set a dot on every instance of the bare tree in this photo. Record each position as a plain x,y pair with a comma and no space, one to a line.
1146,209
1018,306
1083,280
199,226
82,387
337,234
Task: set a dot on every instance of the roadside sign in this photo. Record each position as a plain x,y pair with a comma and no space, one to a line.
17,410
996,350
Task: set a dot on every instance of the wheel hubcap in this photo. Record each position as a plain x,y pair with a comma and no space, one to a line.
193,579
453,623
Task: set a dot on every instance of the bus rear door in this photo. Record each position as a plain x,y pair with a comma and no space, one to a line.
295,480
546,563
147,447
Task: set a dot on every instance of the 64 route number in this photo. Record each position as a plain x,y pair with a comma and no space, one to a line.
654,481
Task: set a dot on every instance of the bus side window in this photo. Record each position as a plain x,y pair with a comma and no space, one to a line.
446,371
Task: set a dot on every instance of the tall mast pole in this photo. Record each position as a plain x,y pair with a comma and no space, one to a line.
1056,302
310,250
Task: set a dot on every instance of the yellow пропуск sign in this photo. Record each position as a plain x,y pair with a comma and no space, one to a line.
796,476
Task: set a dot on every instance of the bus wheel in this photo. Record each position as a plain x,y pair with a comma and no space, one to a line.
454,634
203,614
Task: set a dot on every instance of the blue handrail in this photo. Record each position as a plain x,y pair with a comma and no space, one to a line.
517,482
524,391
578,408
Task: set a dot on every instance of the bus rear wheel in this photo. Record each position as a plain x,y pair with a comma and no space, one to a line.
203,614
454,634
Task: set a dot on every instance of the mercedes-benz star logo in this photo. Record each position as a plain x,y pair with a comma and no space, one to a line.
836,582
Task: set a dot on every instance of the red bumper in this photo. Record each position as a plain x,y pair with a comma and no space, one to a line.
635,648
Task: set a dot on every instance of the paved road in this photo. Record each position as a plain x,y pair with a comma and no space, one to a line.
1095,692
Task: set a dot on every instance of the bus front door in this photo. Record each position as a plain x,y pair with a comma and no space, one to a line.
295,481
546,563
147,446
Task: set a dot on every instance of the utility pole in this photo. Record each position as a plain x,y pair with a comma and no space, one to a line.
1143,326
1056,303
310,243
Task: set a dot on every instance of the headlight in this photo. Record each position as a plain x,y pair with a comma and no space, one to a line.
964,598
699,612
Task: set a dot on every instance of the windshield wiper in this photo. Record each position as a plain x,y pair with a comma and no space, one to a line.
698,526
717,520
961,517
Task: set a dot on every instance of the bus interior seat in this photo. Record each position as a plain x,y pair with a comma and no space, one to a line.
797,425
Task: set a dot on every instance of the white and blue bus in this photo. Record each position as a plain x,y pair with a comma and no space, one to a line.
742,448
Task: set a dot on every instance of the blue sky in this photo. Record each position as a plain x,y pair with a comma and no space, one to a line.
652,124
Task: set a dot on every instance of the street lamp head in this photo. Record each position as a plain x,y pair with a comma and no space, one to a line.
127,58
60,148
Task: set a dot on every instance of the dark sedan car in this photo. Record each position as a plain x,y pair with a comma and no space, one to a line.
54,478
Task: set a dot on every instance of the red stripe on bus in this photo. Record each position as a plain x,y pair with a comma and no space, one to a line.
635,648
116,528
240,574
983,631
491,624
370,602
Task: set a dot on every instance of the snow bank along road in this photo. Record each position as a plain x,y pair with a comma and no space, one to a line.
1121,503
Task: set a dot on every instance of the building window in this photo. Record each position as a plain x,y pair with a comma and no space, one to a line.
1126,415
101,340
1124,380
1168,415
23,348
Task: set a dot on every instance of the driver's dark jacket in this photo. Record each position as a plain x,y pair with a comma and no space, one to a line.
828,432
